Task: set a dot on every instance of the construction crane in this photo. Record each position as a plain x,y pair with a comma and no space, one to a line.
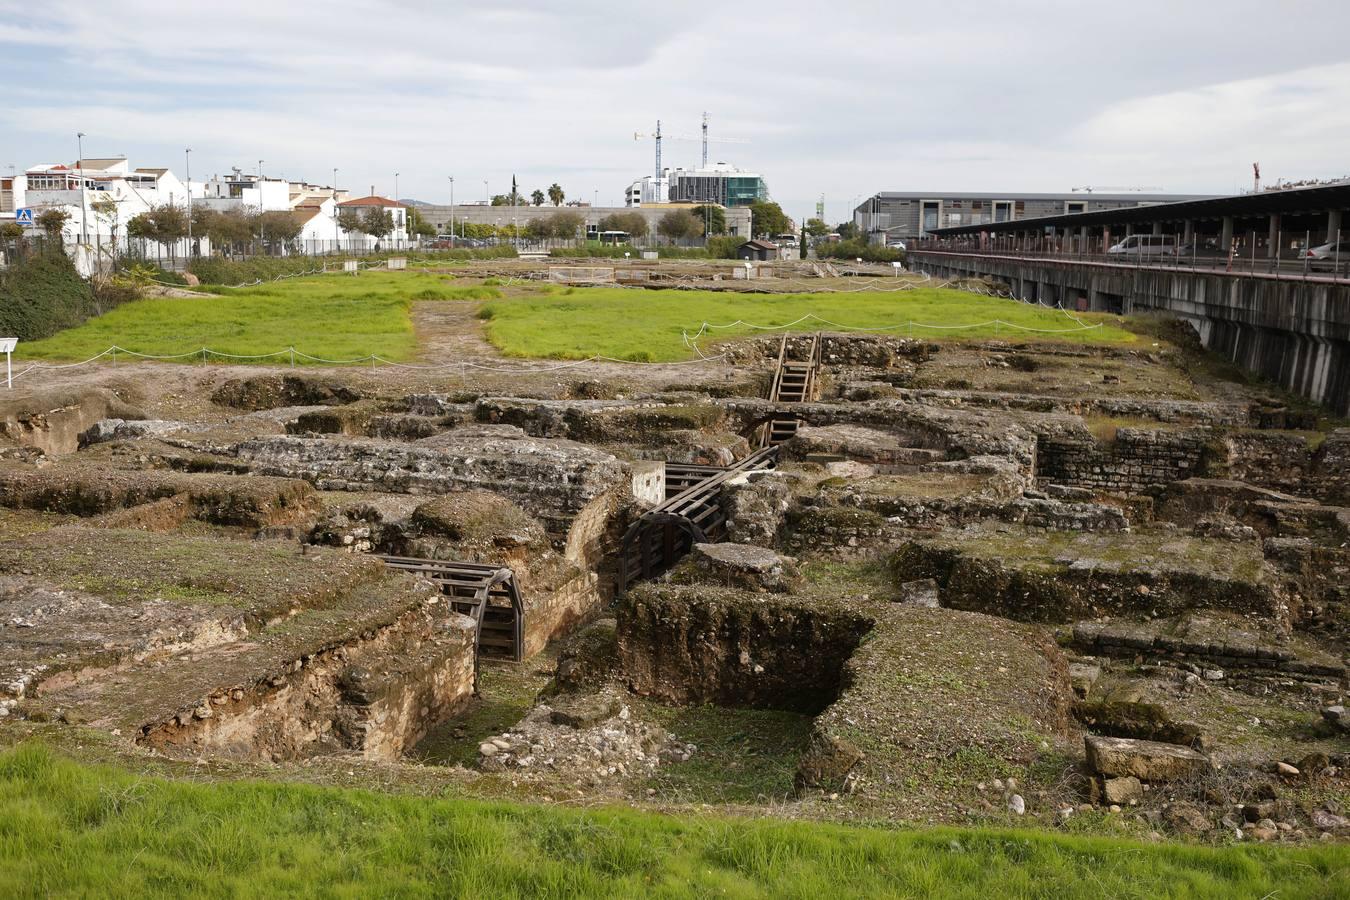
657,136
1115,187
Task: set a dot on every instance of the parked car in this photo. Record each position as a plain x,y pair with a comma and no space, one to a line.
896,245
1145,245
1327,256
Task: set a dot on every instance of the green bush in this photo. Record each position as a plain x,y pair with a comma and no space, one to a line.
859,249
724,246
43,294
593,250
219,270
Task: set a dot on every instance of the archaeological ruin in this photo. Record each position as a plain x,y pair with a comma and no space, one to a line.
841,576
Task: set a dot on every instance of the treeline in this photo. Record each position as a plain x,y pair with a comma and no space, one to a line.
216,270
41,293
717,247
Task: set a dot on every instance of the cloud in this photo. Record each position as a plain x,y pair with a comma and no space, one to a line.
845,99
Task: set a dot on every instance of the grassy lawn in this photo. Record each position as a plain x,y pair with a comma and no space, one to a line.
68,829
648,325
340,317
329,316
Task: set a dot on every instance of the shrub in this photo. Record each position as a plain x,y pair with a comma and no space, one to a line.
859,249
43,293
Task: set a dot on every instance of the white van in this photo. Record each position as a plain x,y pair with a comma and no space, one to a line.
1145,245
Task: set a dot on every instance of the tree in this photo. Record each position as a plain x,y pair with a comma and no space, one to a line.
680,223
515,193
166,225
417,224
279,225
377,222
767,218
714,218
227,230
501,199
634,223
555,194
816,228
537,198
538,228
11,231
349,220
105,211
847,231
567,225
801,244
52,221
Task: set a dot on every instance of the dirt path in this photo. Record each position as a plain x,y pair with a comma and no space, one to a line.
450,331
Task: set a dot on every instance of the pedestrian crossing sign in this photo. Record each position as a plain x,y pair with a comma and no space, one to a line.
23,215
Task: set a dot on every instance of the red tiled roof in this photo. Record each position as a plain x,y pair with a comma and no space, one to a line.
372,201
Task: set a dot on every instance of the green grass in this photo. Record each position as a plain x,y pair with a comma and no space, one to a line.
648,325
329,316
68,829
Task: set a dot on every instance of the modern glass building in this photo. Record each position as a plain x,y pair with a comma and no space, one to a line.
719,183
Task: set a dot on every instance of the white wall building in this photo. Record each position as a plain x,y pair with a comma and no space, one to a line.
361,206
100,196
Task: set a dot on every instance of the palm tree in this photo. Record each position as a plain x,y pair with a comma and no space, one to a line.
537,198
555,194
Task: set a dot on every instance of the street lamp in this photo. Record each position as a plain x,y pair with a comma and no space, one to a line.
337,234
452,210
396,196
187,173
262,235
84,212
486,198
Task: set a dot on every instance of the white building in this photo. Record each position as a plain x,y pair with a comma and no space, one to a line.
361,206
99,196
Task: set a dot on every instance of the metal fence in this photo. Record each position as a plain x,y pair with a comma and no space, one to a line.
1249,254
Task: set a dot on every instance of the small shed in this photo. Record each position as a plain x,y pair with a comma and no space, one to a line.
757,250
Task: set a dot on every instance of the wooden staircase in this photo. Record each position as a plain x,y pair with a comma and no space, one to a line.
795,381
486,594
692,513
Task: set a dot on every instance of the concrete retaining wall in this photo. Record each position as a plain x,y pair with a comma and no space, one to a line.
1293,331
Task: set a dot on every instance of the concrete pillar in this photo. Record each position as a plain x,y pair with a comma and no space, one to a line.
1226,241
1333,224
1129,230
1188,234
1273,237
1106,238
1157,228
1083,239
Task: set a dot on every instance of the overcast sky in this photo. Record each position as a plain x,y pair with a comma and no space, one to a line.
838,98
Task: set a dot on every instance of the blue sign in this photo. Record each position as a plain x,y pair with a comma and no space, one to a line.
23,215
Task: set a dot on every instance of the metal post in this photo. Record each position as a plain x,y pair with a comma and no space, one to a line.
337,229
452,210
187,173
262,235
84,211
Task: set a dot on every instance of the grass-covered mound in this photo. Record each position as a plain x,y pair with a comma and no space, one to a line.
649,325
69,829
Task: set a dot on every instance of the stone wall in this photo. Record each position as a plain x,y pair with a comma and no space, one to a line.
702,644
569,487
1137,458
376,696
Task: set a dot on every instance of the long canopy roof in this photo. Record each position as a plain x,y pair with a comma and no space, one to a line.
1295,201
